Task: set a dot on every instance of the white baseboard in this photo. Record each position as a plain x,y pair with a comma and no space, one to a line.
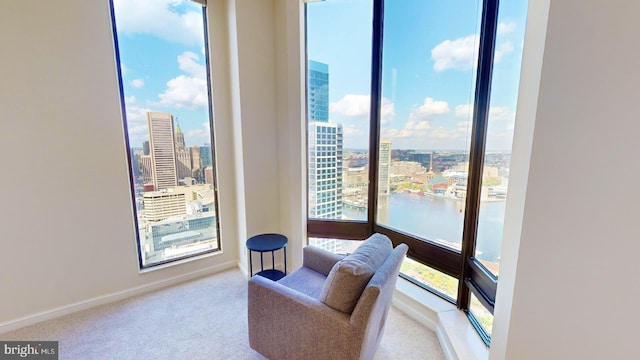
105,299
445,343
425,308
415,310
243,268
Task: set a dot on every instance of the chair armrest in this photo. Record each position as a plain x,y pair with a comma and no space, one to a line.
319,260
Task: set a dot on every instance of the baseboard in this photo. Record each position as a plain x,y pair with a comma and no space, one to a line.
445,343
243,268
415,310
109,298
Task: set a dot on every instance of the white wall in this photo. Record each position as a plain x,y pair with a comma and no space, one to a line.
67,224
573,288
291,105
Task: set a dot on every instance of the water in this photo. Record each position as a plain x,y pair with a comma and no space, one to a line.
438,218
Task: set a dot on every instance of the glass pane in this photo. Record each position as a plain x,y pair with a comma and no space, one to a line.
497,159
338,87
164,80
439,281
337,246
482,315
429,70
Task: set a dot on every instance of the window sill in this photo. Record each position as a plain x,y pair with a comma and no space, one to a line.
458,338
178,262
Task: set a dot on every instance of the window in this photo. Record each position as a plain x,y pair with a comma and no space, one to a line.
433,167
162,50
338,86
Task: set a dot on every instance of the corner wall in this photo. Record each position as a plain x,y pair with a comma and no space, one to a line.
574,292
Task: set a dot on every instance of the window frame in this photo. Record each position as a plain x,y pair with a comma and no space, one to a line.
125,124
471,274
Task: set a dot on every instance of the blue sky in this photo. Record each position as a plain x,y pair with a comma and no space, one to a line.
430,49
428,68
161,45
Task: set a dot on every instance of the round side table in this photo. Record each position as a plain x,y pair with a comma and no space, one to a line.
264,243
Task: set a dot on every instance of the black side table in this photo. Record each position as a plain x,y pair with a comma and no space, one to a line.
268,242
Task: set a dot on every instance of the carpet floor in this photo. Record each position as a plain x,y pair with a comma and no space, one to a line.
200,319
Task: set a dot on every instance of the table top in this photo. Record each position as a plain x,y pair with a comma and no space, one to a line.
266,242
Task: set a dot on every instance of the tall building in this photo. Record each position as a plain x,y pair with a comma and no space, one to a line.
162,149
318,91
146,167
179,139
325,170
183,163
205,155
384,164
183,156
324,148
196,163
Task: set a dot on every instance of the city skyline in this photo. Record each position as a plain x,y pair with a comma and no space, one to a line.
430,50
171,77
423,105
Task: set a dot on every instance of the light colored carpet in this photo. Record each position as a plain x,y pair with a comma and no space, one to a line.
201,319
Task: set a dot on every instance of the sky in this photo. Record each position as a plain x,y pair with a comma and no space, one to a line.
429,55
162,58
428,76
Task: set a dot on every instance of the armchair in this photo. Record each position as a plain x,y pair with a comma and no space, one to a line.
333,307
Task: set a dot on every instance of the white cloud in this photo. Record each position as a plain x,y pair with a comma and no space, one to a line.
187,62
496,113
428,109
187,91
357,106
137,83
464,111
418,125
136,122
199,135
501,113
130,100
422,133
160,18
503,49
353,131
456,54
505,28
461,54
123,69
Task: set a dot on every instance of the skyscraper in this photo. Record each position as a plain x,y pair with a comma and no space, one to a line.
325,148
179,138
196,163
318,92
162,148
325,170
183,155
383,167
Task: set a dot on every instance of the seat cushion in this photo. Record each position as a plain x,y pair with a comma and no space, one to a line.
349,276
305,280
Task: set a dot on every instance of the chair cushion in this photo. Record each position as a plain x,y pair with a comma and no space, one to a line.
349,276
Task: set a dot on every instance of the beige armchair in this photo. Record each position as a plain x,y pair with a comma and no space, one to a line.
333,307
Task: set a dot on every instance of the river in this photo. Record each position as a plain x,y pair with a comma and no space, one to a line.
438,218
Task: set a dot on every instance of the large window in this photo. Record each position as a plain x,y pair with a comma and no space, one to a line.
427,141
162,54
338,109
